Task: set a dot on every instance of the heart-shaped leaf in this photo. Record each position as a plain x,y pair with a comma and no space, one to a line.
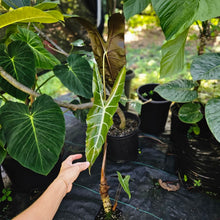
212,115
76,75
132,7
34,137
190,113
29,14
180,90
43,58
113,50
206,66
18,61
99,118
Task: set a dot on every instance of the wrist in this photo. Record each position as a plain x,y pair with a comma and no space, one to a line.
62,184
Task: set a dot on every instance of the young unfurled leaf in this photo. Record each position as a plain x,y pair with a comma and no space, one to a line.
114,48
124,183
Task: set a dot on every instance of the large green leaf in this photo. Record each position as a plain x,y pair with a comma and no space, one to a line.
99,118
124,183
18,61
212,115
208,9
175,16
3,151
34,137
29,14
76,75
173,55
206,66
175,19
180,90
17,3
114,48
45,5
132,7
43,58
190,113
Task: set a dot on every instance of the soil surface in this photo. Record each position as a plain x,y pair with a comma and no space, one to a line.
131,125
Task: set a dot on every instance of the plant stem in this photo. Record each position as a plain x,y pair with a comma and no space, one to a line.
51,41
204,37
3,97
45,82
104,187
103,74
122,118
29,91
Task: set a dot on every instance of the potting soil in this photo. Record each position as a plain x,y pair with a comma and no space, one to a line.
148,199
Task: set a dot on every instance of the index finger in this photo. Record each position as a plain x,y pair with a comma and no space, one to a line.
73,157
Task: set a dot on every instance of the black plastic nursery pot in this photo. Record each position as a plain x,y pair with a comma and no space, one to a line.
124,148
26,180
154,113
198,155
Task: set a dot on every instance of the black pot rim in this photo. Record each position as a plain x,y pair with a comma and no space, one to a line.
153,101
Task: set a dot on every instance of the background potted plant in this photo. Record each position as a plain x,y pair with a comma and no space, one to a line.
154,109
201,115
175,21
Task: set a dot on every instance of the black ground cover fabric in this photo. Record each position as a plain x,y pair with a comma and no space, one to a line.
148,200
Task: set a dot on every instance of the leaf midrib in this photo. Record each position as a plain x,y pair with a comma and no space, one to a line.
31,117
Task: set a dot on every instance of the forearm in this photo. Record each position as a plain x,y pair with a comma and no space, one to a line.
46,205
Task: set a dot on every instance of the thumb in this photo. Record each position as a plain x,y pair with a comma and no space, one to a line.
83,165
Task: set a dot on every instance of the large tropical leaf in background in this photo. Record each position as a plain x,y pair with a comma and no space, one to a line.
99,118
133,7
206,66
76,75
34,136
43,58
212,115
18,61
173,55
175,19
180,90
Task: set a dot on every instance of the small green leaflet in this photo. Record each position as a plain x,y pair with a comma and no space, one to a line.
124,183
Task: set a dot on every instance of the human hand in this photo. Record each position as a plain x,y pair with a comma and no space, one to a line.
70,171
